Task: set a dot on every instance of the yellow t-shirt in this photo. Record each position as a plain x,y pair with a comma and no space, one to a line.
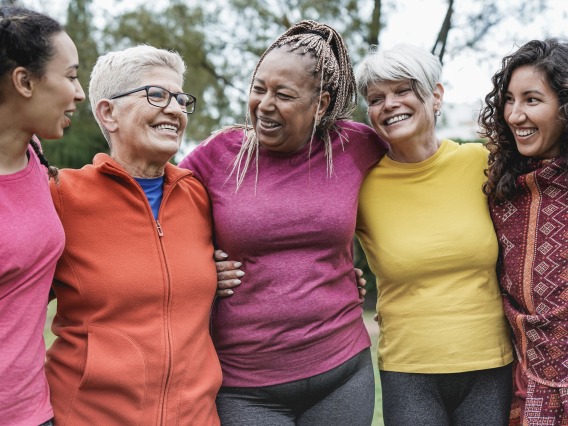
426,231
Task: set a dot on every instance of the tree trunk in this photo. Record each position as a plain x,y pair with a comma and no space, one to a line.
440,45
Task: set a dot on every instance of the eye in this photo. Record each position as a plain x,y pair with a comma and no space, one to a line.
375,100
73,77
258,89
157,94
404,91
284,96
509,99
533,100
183,99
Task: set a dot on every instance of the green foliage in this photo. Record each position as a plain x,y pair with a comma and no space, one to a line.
83,139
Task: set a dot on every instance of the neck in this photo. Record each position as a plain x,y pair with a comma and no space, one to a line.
13,148
137,170
414,151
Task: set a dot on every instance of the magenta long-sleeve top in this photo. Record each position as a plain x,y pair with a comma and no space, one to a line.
296,313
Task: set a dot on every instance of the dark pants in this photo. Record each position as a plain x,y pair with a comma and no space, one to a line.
48,423
476,398
343,396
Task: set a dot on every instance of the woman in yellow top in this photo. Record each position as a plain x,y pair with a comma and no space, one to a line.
444,347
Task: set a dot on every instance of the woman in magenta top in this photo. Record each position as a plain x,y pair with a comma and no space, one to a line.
291,340
525,117
38,93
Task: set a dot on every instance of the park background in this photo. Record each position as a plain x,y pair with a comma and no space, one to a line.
221,41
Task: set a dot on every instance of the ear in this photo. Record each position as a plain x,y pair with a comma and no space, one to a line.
438,96
105,112
23,81
325,99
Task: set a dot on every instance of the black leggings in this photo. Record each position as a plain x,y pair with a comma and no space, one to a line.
342,396
473,398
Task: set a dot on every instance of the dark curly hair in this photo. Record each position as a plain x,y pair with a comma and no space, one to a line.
26,40
550,58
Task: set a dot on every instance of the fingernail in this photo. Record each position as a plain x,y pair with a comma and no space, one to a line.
239,273
224,254
236,282
229,292
237,264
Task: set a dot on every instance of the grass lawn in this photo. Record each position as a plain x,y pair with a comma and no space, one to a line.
371,326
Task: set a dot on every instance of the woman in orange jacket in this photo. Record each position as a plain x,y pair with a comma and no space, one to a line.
137,279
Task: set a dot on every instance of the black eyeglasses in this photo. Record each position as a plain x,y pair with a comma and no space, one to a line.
161,98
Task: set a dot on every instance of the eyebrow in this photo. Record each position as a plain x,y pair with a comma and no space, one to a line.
530,92
280,86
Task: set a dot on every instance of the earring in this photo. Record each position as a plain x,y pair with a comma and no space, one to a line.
437,113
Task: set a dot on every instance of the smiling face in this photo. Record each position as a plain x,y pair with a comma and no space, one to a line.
531,111
398,115
283,101
57,91
144,136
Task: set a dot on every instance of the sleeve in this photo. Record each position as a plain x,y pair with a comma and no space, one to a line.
199,161
205,159
364,145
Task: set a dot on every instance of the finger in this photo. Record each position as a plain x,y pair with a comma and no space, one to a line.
358,272
220,255
227,265
225,293
228,284
362,292
233,274
361,282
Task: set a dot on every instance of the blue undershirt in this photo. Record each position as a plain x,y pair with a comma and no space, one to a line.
154,189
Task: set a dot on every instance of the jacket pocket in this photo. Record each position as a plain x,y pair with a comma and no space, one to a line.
113,386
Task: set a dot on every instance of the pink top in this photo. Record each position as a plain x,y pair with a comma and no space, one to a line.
32,241
296,313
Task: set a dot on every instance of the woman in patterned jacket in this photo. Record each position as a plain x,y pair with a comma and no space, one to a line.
525,118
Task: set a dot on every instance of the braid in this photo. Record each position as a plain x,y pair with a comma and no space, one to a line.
333,66
52,171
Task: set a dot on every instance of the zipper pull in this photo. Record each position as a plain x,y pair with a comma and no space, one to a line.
159,227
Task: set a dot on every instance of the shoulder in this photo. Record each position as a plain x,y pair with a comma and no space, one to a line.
472,150
221,141
359,136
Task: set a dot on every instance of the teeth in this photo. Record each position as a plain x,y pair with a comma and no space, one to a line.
397,118
69,114
168,127
525,132
268,124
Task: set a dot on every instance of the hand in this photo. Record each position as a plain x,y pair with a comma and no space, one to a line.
361,282
228,274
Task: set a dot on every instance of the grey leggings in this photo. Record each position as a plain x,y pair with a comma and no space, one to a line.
342,396
458,399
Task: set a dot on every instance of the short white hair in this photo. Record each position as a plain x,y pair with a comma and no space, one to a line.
123,70
401,62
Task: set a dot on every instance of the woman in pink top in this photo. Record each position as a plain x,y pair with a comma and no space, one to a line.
38,94
291,341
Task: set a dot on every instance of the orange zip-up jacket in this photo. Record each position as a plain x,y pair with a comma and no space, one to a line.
134,297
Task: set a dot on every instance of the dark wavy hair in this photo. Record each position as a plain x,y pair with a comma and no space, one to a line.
550,58
26,40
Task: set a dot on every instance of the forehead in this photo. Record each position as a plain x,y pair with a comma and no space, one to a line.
526,77
286,65
162,76
386,86
65,53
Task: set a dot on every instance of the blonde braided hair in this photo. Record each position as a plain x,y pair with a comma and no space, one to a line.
336,77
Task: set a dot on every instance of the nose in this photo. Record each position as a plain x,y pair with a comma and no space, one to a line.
79,93
391,101
266,102
516,114
173,107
